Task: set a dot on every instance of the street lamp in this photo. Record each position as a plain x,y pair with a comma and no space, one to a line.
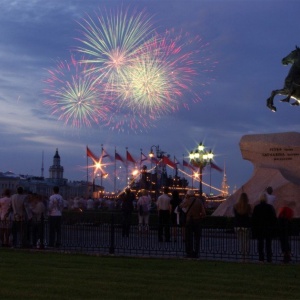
200,158
159,153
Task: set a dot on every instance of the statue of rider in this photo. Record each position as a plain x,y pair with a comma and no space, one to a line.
292,79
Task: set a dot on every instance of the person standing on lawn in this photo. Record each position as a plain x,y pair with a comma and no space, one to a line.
195,212
164,209
264,226
55,207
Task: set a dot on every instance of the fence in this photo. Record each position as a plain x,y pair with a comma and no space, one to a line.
102,234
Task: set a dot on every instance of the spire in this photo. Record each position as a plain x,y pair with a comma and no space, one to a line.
42,169
56,154
225,186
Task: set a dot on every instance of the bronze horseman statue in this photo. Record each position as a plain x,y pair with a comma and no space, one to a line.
291,87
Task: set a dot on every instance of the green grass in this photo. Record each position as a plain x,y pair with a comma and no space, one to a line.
45,275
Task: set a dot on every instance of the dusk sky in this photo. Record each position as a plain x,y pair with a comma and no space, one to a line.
244,44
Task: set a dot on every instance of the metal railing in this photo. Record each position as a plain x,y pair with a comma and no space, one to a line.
102,234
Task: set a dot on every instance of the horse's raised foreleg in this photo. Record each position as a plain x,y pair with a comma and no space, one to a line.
283,91
270,100
270,104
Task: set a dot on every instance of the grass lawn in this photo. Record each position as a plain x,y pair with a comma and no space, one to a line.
45,275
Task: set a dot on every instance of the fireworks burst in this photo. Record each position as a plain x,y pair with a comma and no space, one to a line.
73,96
130,75
112,41
162,73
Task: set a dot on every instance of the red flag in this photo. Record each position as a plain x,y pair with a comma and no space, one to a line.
166,160
90,154
118,157
212,165
185,164
129,157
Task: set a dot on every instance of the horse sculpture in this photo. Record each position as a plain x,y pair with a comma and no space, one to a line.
291,87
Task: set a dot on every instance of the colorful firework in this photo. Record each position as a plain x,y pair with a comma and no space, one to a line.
73,96
130,75
163,71
148,87
112,41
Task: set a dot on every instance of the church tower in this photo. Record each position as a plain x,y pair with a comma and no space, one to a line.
56,171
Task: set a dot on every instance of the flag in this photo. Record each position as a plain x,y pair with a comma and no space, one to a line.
105,154
176,162
212,165
143,157
166,160
90,154
118,157
186,164
129,157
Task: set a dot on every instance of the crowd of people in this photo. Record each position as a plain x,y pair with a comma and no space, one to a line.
22,215
173,212
260,222
264,224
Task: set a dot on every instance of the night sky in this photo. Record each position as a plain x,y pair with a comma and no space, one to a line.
244,44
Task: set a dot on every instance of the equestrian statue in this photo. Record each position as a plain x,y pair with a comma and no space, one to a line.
291,87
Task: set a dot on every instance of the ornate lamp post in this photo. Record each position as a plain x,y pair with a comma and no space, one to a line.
159,153
200,158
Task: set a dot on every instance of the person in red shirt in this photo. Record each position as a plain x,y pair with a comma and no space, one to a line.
285,215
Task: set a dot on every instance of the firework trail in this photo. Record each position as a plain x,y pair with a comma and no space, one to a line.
73,96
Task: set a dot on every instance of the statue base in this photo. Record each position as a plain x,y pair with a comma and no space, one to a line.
276,161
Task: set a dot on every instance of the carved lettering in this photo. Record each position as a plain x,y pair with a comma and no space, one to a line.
275,149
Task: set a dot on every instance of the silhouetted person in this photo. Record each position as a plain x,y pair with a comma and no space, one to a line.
242,224
127,208
264,225
270,197
194,213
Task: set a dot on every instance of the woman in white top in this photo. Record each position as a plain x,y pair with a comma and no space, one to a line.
143,208
5,218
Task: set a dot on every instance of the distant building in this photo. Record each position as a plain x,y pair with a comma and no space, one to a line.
56,171
8,180
44,187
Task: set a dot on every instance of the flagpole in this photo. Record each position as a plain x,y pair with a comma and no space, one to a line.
115,175
87,173
141,165
183,164
126,166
